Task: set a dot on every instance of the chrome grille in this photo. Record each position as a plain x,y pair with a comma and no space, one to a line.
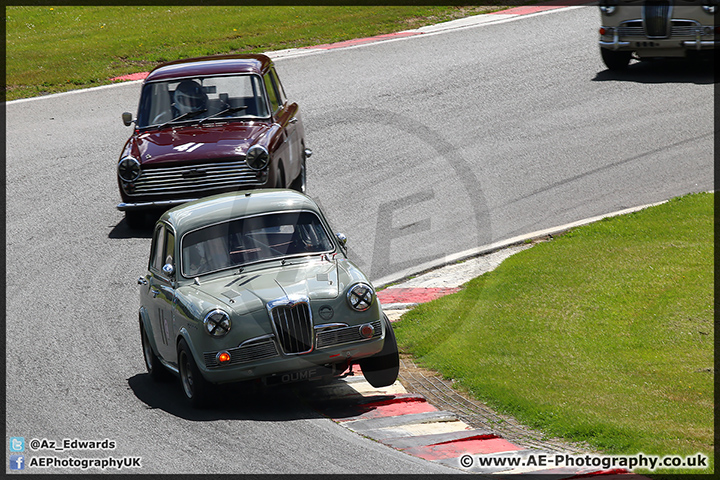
655,17
680,28
338,336
294,327
631,29
685,29
193,178
244,354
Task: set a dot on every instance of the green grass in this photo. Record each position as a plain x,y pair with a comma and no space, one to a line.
54,49
604,334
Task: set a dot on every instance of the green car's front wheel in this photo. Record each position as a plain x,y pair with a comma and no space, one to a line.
616,61
195,387
381,370
152,362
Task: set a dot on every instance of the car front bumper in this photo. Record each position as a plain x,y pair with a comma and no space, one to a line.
617,44
289,365
171,186
613,40
164,204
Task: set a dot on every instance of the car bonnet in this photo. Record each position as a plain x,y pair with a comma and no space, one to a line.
315,279
192,143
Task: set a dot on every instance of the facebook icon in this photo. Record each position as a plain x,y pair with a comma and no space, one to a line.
17,462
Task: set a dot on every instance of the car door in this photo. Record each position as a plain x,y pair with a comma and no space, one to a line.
284,115
160,299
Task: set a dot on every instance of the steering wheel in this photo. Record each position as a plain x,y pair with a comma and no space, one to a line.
160,116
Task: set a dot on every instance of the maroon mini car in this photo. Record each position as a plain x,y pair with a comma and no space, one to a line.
210,125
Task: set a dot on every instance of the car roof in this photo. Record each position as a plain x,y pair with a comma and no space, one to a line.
226,206
211,65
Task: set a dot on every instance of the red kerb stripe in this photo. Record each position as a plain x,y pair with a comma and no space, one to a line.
413,295
469,446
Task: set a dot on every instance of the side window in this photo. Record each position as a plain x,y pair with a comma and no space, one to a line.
272,92
169,249
157,249
278,86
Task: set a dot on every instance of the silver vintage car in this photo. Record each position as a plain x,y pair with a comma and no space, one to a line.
655,28
255,286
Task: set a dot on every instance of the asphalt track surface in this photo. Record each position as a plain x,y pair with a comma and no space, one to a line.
424,147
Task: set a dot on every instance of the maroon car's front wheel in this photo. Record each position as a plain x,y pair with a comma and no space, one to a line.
134,220
300,183
280,180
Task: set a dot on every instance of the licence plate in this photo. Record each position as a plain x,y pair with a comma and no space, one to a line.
307,375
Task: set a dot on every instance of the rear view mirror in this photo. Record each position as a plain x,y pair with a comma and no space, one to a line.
342,239
127,118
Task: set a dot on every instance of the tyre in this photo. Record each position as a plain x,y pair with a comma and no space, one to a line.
280,182
300,183
381,370
194,385
615,60
152,362
135,220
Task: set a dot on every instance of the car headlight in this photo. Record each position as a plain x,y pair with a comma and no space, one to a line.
217,323
128,169
360,296
608,7
257,157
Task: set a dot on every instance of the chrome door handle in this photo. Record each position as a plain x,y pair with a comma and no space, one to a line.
293,120
154,292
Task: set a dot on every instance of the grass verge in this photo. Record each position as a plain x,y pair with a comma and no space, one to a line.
55,49
604,334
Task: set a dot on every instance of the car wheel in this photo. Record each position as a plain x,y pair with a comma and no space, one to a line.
280,182
300,183
152,362
381,370
615,60
134,220
194,385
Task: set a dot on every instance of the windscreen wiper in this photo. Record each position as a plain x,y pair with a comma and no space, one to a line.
181,117
222,112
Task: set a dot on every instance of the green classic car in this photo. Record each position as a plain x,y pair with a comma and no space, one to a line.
254,286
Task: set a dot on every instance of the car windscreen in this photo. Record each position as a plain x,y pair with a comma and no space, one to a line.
194,99
253,239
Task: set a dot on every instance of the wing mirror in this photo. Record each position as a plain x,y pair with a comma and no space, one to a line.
168,269
342,239
127,118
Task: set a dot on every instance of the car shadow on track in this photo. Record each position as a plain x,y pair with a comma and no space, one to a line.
143,228
665,70
234,402
123,231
